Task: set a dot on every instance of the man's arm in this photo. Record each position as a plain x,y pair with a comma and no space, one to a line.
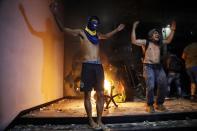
110,34
54,10
134,40
171,35
73,32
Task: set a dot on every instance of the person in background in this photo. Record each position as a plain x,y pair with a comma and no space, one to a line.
152,69
190,56
174,66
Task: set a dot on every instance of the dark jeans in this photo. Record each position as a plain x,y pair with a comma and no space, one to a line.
155,75
174,77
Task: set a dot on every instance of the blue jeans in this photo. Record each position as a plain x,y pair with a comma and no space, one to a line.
155,75
174,77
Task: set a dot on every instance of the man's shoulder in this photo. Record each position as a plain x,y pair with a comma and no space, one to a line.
82,33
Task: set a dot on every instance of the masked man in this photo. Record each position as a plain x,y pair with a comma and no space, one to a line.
92,75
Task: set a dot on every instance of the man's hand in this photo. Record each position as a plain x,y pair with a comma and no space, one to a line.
173,25
54,7
120,27
135,24
110,34
171,35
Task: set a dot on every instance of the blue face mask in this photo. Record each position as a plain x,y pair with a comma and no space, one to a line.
93,25
91,30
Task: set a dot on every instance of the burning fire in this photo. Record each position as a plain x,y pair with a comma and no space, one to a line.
115,87
107,90
92,97
107,86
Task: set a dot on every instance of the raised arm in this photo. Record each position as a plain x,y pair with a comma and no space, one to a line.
54,10
110,34
73,32
134,40
171,35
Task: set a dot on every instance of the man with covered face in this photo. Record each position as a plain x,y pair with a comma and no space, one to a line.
152,68
92,74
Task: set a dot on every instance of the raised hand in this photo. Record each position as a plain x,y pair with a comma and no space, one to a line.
120,27
135,24
54,7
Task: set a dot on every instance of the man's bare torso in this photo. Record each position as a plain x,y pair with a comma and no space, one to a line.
152,55
91,51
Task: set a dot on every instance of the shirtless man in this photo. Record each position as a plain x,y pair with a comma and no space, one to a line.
152,69
92,75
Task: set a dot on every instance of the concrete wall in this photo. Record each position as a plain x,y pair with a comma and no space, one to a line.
31,57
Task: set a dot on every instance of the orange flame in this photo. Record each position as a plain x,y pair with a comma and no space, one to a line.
118,88
107,86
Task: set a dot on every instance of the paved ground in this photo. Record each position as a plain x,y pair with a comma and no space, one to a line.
74,108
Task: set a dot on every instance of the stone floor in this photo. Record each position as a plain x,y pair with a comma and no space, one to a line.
75,108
